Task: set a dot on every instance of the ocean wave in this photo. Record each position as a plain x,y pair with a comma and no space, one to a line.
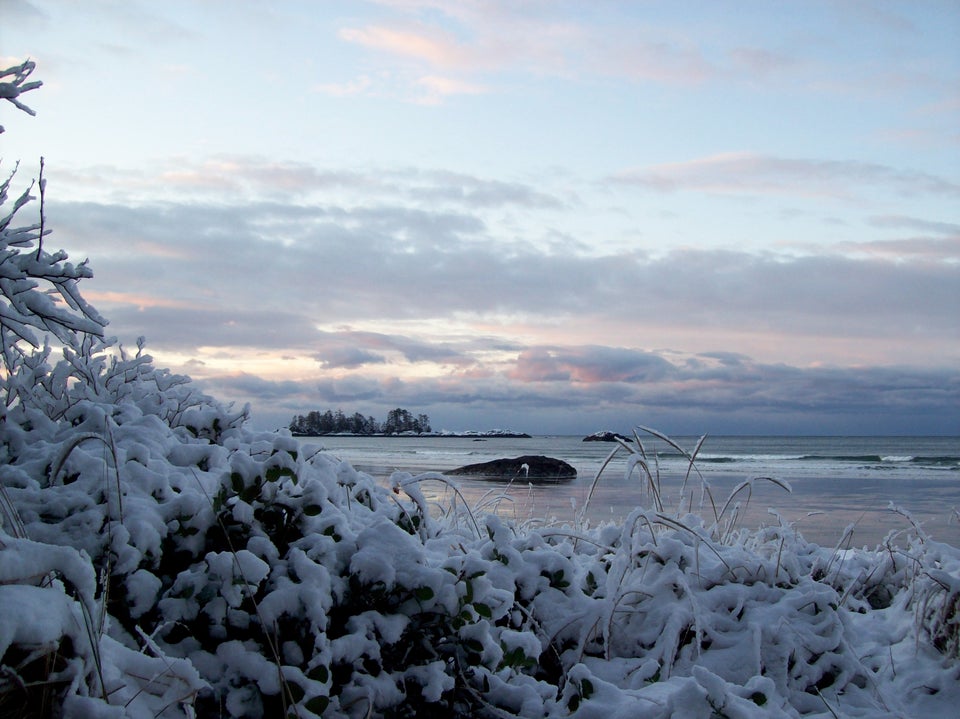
944,461
885,461
862,458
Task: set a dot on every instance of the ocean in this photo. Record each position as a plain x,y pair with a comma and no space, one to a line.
854,489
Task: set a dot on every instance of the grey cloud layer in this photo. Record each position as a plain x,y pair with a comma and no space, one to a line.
272,270
257,277
698,396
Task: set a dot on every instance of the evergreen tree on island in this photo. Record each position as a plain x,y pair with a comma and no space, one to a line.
398,421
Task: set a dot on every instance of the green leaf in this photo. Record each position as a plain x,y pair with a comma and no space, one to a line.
473,645
586,689
252,492
312,510
319,673
483,610
423,593
236,481
295,690
275,473
317,705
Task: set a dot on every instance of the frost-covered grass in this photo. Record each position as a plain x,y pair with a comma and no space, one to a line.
160,559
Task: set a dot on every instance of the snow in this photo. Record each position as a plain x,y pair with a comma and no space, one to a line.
34,616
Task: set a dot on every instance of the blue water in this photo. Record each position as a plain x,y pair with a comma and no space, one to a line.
836,481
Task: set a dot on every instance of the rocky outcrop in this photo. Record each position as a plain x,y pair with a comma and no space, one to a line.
605,437
533,468
483,434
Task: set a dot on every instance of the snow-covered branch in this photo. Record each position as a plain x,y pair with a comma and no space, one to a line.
38,289
12,89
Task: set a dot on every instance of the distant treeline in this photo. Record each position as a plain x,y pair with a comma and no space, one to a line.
398,420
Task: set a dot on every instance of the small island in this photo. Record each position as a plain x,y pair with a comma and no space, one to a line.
484,434
606,436
400,422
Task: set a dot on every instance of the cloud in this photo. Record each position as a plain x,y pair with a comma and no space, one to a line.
266,274
188,327
349,357
431,186
23,11
351,349
757,174
437,88
916,223
701,395
759,61
228,179
503,41
432,46
261,390
399,290
589,365
672,63
358,86
937,249
454,41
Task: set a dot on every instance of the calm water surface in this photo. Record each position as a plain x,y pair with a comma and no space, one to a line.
835,481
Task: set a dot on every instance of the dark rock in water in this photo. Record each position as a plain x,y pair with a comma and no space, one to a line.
605,437
534,468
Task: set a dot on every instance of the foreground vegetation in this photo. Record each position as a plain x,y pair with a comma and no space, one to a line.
158,558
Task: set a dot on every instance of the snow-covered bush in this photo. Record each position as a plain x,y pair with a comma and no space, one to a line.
158,558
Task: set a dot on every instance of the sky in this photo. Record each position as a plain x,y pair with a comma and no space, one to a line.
550,217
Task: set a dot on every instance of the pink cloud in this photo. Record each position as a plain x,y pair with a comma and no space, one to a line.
440,51
437,87
141,301
482,38
538,365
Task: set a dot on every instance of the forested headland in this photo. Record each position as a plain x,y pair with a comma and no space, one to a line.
398,421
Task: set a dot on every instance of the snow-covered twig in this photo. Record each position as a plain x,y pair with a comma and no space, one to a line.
11,90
